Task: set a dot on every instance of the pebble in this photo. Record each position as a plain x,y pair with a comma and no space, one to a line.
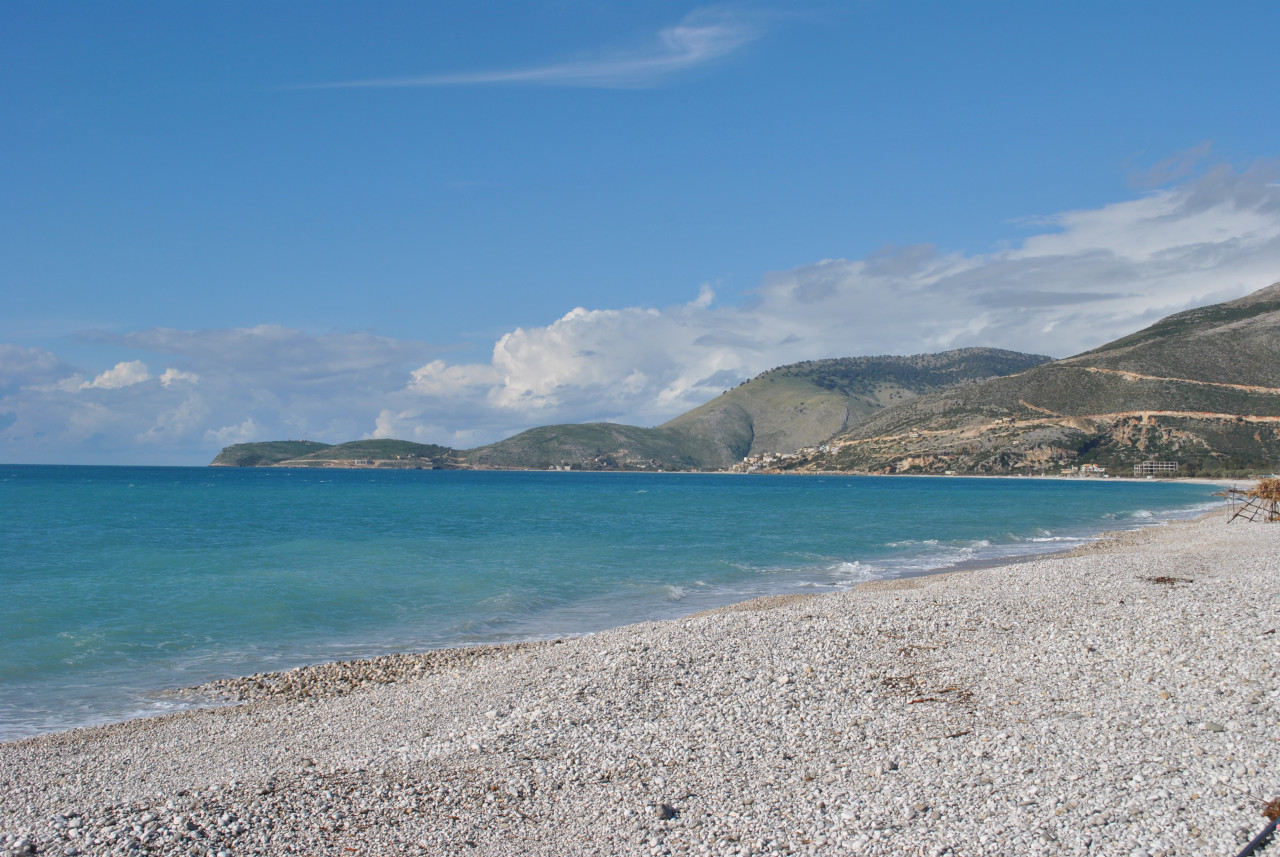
1013,710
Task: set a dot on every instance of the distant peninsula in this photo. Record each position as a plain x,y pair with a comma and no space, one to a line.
357,453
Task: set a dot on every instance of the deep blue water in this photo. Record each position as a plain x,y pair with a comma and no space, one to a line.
119,581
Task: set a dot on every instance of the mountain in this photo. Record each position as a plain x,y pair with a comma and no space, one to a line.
779,411
1200,388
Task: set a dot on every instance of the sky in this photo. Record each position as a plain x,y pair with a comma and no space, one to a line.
224,222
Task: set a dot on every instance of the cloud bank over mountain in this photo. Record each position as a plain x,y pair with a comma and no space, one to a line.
1075,280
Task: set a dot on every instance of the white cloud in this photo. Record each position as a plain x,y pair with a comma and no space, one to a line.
173,376
124,374
245,432
702,37
402,425
706,296
181,421
438,377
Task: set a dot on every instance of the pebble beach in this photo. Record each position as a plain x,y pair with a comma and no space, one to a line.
1122,700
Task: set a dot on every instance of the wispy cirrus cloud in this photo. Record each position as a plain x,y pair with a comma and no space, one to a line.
702,37
1176,167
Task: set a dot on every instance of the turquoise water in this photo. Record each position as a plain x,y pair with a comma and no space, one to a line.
116,582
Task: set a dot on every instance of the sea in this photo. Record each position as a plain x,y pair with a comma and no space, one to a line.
119,583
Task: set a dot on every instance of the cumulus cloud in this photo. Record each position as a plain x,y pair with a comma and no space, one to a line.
176,376
246,432
438,377
180,421
1076,280
702,37
637,363
124,374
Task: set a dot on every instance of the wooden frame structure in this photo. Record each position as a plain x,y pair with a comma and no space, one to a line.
1262,502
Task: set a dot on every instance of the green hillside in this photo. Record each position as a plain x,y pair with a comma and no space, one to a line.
309,453
804,404
782,410
1205,344
381,450
265,453
590,446
1200,388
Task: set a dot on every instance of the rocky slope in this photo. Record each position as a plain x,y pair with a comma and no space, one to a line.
1200,388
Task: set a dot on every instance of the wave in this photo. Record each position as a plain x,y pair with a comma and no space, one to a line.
853,573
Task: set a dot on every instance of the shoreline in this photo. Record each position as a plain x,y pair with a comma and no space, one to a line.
341,677
389,665
1096,702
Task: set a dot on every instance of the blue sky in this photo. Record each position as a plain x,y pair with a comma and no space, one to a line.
449,222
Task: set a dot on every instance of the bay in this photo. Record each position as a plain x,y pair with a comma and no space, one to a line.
118,582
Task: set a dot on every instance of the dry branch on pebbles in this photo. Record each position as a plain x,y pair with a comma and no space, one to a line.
1069,705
